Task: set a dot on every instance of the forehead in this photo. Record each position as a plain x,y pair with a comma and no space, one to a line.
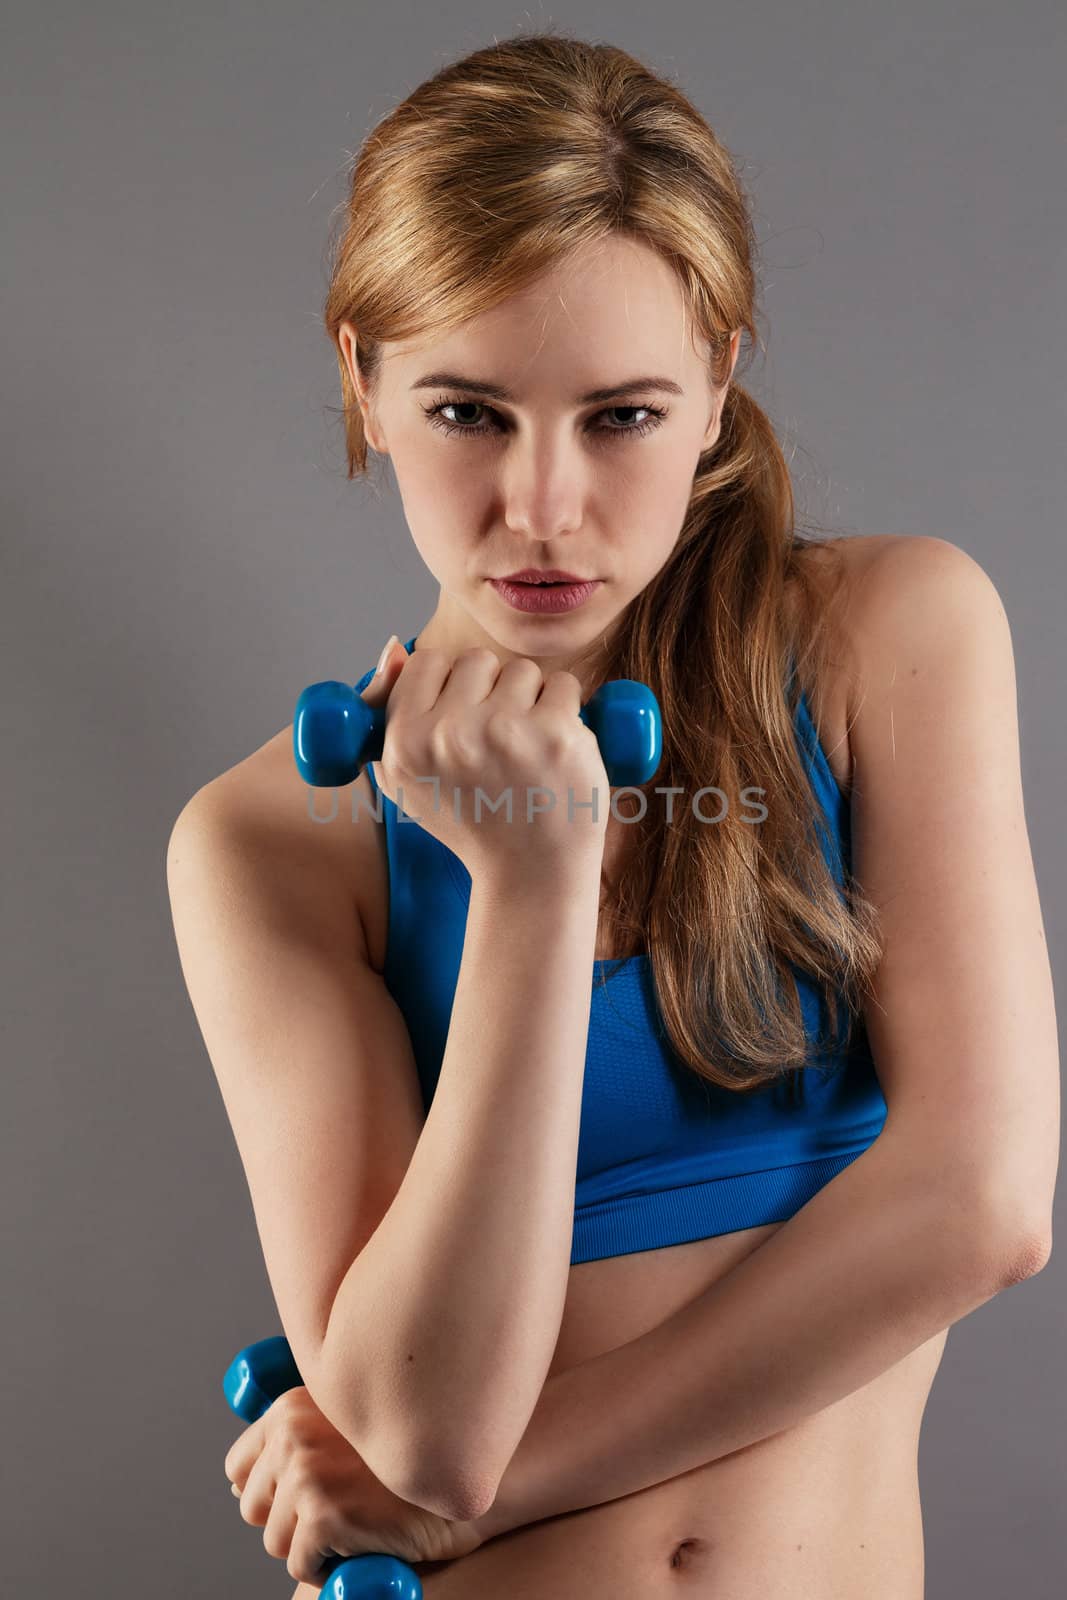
606,312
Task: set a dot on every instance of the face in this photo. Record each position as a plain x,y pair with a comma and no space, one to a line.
545,477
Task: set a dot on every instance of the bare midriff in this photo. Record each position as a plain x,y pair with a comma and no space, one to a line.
826,1510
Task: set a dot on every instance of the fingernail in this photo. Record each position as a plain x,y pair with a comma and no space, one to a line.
235,1490
381,659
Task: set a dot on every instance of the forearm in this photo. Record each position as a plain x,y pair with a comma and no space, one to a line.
444,1327
879,1261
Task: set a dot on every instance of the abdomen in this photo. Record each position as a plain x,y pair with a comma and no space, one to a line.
826,1508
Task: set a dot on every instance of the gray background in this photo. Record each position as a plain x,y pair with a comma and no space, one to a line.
182,553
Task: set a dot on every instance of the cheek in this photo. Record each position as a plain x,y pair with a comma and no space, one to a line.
443,532
654,493
650,516
437,539
441,501
655,551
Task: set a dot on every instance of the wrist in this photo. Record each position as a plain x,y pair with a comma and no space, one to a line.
564,879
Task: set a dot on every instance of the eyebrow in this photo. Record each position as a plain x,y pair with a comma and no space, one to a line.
496,391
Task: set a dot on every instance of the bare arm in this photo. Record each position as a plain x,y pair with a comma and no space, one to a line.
443,1330
419,1262
953,1201
879,1261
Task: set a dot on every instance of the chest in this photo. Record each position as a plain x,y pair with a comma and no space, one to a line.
827,703
367,853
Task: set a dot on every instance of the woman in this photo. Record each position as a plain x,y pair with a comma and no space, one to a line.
537,303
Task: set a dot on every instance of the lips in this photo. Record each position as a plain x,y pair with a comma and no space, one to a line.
536,575
544,599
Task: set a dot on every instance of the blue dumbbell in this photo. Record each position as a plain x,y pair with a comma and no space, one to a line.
335,732
254,1378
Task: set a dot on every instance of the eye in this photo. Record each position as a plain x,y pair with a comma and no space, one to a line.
434,415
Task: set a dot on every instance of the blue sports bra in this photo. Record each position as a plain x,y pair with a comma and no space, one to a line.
664,1157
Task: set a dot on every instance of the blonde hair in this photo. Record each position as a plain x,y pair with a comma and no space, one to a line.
487,175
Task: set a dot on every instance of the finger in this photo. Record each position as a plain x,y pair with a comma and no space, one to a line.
561,694
472,677
281,1522
518,685
377,691
257,1495
419,685
244,1450
299,1530
309,1556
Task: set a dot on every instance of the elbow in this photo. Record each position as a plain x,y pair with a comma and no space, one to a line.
445,1480
444,1464
457,1473
436,1480
1024,1256
456,1494
449,1464
1016,1241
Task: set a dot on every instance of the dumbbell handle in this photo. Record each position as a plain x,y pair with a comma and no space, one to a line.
254,1379
335,732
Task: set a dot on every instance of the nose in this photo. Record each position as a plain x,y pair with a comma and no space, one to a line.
544,490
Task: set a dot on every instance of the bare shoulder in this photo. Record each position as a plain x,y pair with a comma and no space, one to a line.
835,569
915,609
325,834
904,591
894,588
875,593
844,565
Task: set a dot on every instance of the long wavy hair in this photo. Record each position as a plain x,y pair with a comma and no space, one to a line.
489,174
